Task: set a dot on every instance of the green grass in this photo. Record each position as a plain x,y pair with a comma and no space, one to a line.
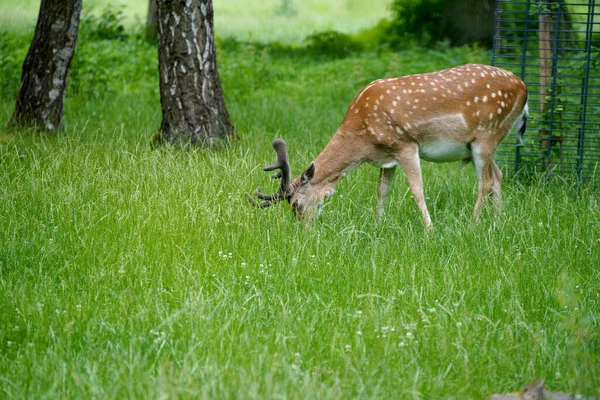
127,272
256,20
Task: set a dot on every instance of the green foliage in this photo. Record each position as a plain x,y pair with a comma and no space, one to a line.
415,21
11,49
107,26
332,44
100,68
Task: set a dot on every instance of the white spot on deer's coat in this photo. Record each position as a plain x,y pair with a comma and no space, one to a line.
394,103
494,95
499,111
484,99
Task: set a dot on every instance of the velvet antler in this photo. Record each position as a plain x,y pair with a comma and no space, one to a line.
284,174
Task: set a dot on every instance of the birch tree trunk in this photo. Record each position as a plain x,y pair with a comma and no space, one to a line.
193,107
46,67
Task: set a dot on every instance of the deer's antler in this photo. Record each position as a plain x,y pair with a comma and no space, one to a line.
284,174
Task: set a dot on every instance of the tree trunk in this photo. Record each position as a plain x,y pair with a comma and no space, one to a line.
469,21
152,22
46,67
193,107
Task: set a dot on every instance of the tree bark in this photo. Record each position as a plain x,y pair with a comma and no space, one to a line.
41,94
193,107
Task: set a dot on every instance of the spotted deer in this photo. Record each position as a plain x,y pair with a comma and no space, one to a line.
456,114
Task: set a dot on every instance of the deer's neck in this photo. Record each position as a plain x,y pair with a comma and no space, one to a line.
336,160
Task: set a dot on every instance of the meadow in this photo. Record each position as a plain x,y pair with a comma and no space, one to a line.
132,272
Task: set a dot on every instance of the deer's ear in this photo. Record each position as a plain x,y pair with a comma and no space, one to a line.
308,174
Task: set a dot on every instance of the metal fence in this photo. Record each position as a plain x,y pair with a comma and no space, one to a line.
554,46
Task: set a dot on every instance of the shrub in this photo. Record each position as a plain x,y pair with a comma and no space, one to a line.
106,26
10,65
331,43
413,21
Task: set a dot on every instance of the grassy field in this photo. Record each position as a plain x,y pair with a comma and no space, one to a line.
262,21
127,272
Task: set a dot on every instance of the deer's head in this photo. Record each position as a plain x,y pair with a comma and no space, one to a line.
304,196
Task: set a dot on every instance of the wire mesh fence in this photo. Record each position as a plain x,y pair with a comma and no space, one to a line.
554,46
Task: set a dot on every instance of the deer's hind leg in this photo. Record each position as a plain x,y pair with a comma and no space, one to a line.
486,175
383,187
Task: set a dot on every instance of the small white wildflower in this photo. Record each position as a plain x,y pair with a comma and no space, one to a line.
409,335
348,348
9,343
458,324
17,328
358,333
431,310
402,344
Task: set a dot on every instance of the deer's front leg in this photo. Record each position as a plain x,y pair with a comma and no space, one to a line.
411,164
497,186
383,187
